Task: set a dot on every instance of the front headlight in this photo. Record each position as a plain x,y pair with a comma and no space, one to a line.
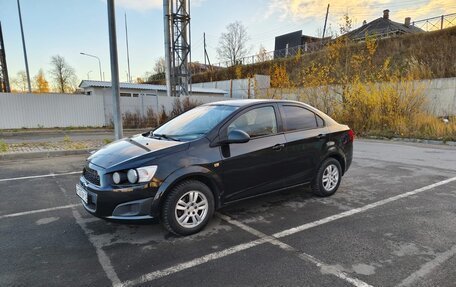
146,173
138,175
116,177
132,176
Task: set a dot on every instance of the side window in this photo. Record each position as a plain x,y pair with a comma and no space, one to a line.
297,118
256,122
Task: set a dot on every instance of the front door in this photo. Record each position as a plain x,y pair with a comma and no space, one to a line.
256,166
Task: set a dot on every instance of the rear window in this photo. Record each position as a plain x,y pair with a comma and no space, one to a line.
297,118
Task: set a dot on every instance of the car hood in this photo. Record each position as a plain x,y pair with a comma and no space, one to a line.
128,148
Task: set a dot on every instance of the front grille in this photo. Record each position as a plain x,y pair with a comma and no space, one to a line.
91,175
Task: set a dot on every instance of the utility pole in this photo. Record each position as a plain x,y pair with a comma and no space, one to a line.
128,52
167,34
117,118
206,55
324,27
23,47
204,39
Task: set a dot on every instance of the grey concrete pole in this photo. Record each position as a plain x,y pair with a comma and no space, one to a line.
23,47
117,118
166,22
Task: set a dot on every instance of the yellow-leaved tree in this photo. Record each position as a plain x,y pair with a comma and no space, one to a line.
40,84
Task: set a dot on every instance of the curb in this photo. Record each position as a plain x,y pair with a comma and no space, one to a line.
44,154
412,140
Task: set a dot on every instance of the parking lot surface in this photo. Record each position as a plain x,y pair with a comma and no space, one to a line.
392,223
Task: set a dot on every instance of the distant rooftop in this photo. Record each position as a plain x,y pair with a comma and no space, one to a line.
104,84
383,27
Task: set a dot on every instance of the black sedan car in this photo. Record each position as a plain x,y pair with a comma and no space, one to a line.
213,155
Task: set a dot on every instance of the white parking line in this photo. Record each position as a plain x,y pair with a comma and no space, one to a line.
103,258
38,211
39,176
192,263
360,209
428,267
216,255
304,256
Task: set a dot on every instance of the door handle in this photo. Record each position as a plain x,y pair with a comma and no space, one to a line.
278,147
321,136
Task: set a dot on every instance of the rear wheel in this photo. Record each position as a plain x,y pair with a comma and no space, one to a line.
328,178
187,208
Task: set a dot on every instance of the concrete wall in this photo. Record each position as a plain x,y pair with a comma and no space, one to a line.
76,110
440,94
240,88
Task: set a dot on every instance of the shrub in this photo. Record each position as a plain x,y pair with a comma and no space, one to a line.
3,146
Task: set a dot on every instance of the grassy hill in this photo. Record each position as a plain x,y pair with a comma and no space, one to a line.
434,52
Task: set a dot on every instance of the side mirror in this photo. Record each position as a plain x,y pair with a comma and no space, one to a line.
237,136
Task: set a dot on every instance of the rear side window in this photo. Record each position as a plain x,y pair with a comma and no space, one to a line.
256,122
297,118
320,121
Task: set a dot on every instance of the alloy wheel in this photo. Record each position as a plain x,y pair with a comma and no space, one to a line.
330,177
191,209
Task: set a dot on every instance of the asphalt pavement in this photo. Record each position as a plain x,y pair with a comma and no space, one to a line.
392,223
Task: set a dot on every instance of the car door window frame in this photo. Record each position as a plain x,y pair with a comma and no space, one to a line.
284,121
224,130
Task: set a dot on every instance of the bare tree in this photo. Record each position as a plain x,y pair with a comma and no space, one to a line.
63,74
160,66
20,82
233,43
262,55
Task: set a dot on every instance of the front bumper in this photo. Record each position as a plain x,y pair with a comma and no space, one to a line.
130,203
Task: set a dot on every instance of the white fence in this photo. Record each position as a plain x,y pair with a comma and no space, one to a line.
50,110
75,110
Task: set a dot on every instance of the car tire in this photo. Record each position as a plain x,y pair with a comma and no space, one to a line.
187,208
328,178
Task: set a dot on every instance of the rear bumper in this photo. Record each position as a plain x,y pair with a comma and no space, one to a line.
132,203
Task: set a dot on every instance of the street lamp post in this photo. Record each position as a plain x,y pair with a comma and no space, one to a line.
99,63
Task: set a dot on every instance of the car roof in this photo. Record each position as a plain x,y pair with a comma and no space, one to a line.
243,103
252,102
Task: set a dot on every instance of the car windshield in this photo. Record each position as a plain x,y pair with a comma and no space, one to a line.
194,123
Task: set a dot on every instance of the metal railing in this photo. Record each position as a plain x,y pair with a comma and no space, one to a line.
436,23
264,57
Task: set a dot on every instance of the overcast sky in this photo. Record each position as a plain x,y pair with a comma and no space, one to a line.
68,27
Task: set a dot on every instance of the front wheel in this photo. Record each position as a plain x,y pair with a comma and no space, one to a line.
328,178
187,208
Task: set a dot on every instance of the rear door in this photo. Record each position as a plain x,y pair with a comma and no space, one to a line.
305,134
256,166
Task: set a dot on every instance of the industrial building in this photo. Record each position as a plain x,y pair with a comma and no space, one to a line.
134,90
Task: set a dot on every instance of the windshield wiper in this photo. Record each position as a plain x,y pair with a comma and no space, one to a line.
166,137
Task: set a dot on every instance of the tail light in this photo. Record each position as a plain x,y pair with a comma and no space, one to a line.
351,136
